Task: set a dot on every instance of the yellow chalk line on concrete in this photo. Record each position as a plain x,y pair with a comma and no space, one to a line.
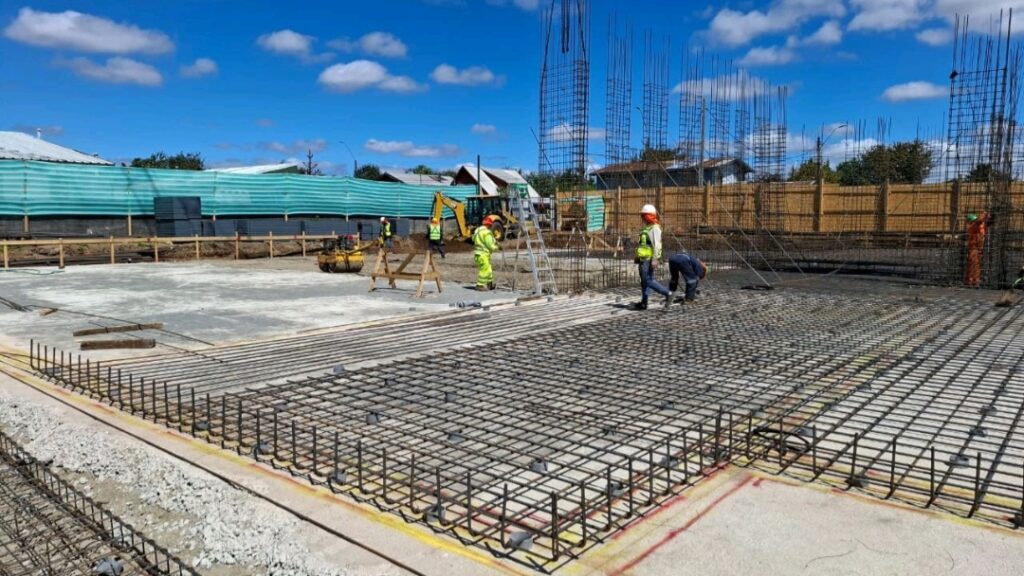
127,420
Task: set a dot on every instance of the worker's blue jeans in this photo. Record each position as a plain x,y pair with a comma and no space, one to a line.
684,267
648,282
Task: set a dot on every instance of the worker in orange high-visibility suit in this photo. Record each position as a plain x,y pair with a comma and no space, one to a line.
977,229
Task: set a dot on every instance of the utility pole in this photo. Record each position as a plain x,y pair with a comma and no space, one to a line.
309,161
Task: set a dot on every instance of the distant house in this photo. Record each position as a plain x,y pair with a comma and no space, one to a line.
20,146
493,181
282,168
415,179
644,174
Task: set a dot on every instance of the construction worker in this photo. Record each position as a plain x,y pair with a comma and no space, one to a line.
691,269
648,255
385,234
484,245
434,236
1018,284
977,229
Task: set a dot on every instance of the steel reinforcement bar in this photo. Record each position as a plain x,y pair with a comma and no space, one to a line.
537,448
49,527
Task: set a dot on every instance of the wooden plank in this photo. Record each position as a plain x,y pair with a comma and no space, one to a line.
118,344
113,329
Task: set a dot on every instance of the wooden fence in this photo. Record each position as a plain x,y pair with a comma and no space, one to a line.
805,208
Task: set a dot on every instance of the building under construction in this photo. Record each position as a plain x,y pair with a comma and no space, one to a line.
832,399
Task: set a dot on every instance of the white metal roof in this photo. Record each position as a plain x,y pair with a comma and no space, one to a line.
419,179
490,187
21,146
259,169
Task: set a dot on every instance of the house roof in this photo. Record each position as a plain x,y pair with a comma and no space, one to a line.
493,178
417,179
282,168
20,146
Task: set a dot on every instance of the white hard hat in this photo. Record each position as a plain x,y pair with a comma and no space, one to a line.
649,209
382,218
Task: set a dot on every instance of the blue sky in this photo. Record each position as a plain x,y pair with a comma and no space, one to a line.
404,82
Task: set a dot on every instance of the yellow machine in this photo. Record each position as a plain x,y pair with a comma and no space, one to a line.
344,254
471,213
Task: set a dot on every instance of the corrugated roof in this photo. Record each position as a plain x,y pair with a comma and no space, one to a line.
284,167
488,175
20,146
644,166
418,179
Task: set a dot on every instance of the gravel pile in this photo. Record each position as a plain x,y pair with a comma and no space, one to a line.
217,528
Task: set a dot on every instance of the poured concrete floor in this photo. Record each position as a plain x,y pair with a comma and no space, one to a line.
737,521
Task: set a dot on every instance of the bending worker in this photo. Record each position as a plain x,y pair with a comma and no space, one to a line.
648,255
1018,284
385,234
977,229
434,237
691,269
484,245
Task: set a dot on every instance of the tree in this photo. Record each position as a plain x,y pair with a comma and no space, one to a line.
180,161
368,172
808,171
311,168
650,154
984,172
852,173
423,169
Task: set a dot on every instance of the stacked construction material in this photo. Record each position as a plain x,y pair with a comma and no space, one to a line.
178,216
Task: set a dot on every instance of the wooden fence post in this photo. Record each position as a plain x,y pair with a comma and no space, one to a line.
819,204
237,244
883,207
954,207
129,224
156,249
112,250
24,224
60,245
271,244
5,255
197,246
303,243
708,207
618,210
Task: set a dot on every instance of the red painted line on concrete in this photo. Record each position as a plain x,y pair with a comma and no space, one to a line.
660,509
676,532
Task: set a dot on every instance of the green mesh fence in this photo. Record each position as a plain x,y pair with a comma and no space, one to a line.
45,189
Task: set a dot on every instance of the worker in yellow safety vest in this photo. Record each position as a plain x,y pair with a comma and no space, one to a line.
648,256
434,237
484,245
385,234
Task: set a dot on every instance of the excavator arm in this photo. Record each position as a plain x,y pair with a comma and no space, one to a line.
458,208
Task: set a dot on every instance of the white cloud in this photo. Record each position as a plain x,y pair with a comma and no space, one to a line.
116,70
362,74
85,33
980,9
383,44
735,28
914,91
935,36
829,33
201,67
882,15
296,147
527,5
472,76
767,56
483,129
45,130
291,43
566,132
409,149
740,85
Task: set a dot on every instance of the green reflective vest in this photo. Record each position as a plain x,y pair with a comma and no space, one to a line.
435,232
483,241
385,230
644,249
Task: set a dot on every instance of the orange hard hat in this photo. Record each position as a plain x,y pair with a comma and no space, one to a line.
488,220
434,220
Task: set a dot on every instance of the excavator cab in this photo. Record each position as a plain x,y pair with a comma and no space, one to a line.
480,207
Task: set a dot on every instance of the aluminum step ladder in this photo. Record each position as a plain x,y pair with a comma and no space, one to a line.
529,231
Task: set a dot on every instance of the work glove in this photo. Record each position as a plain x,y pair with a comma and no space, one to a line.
655,264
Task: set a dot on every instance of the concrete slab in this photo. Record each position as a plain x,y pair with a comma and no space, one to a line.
741,522
208,301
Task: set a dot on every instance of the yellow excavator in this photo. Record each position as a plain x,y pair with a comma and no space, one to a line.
471,213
